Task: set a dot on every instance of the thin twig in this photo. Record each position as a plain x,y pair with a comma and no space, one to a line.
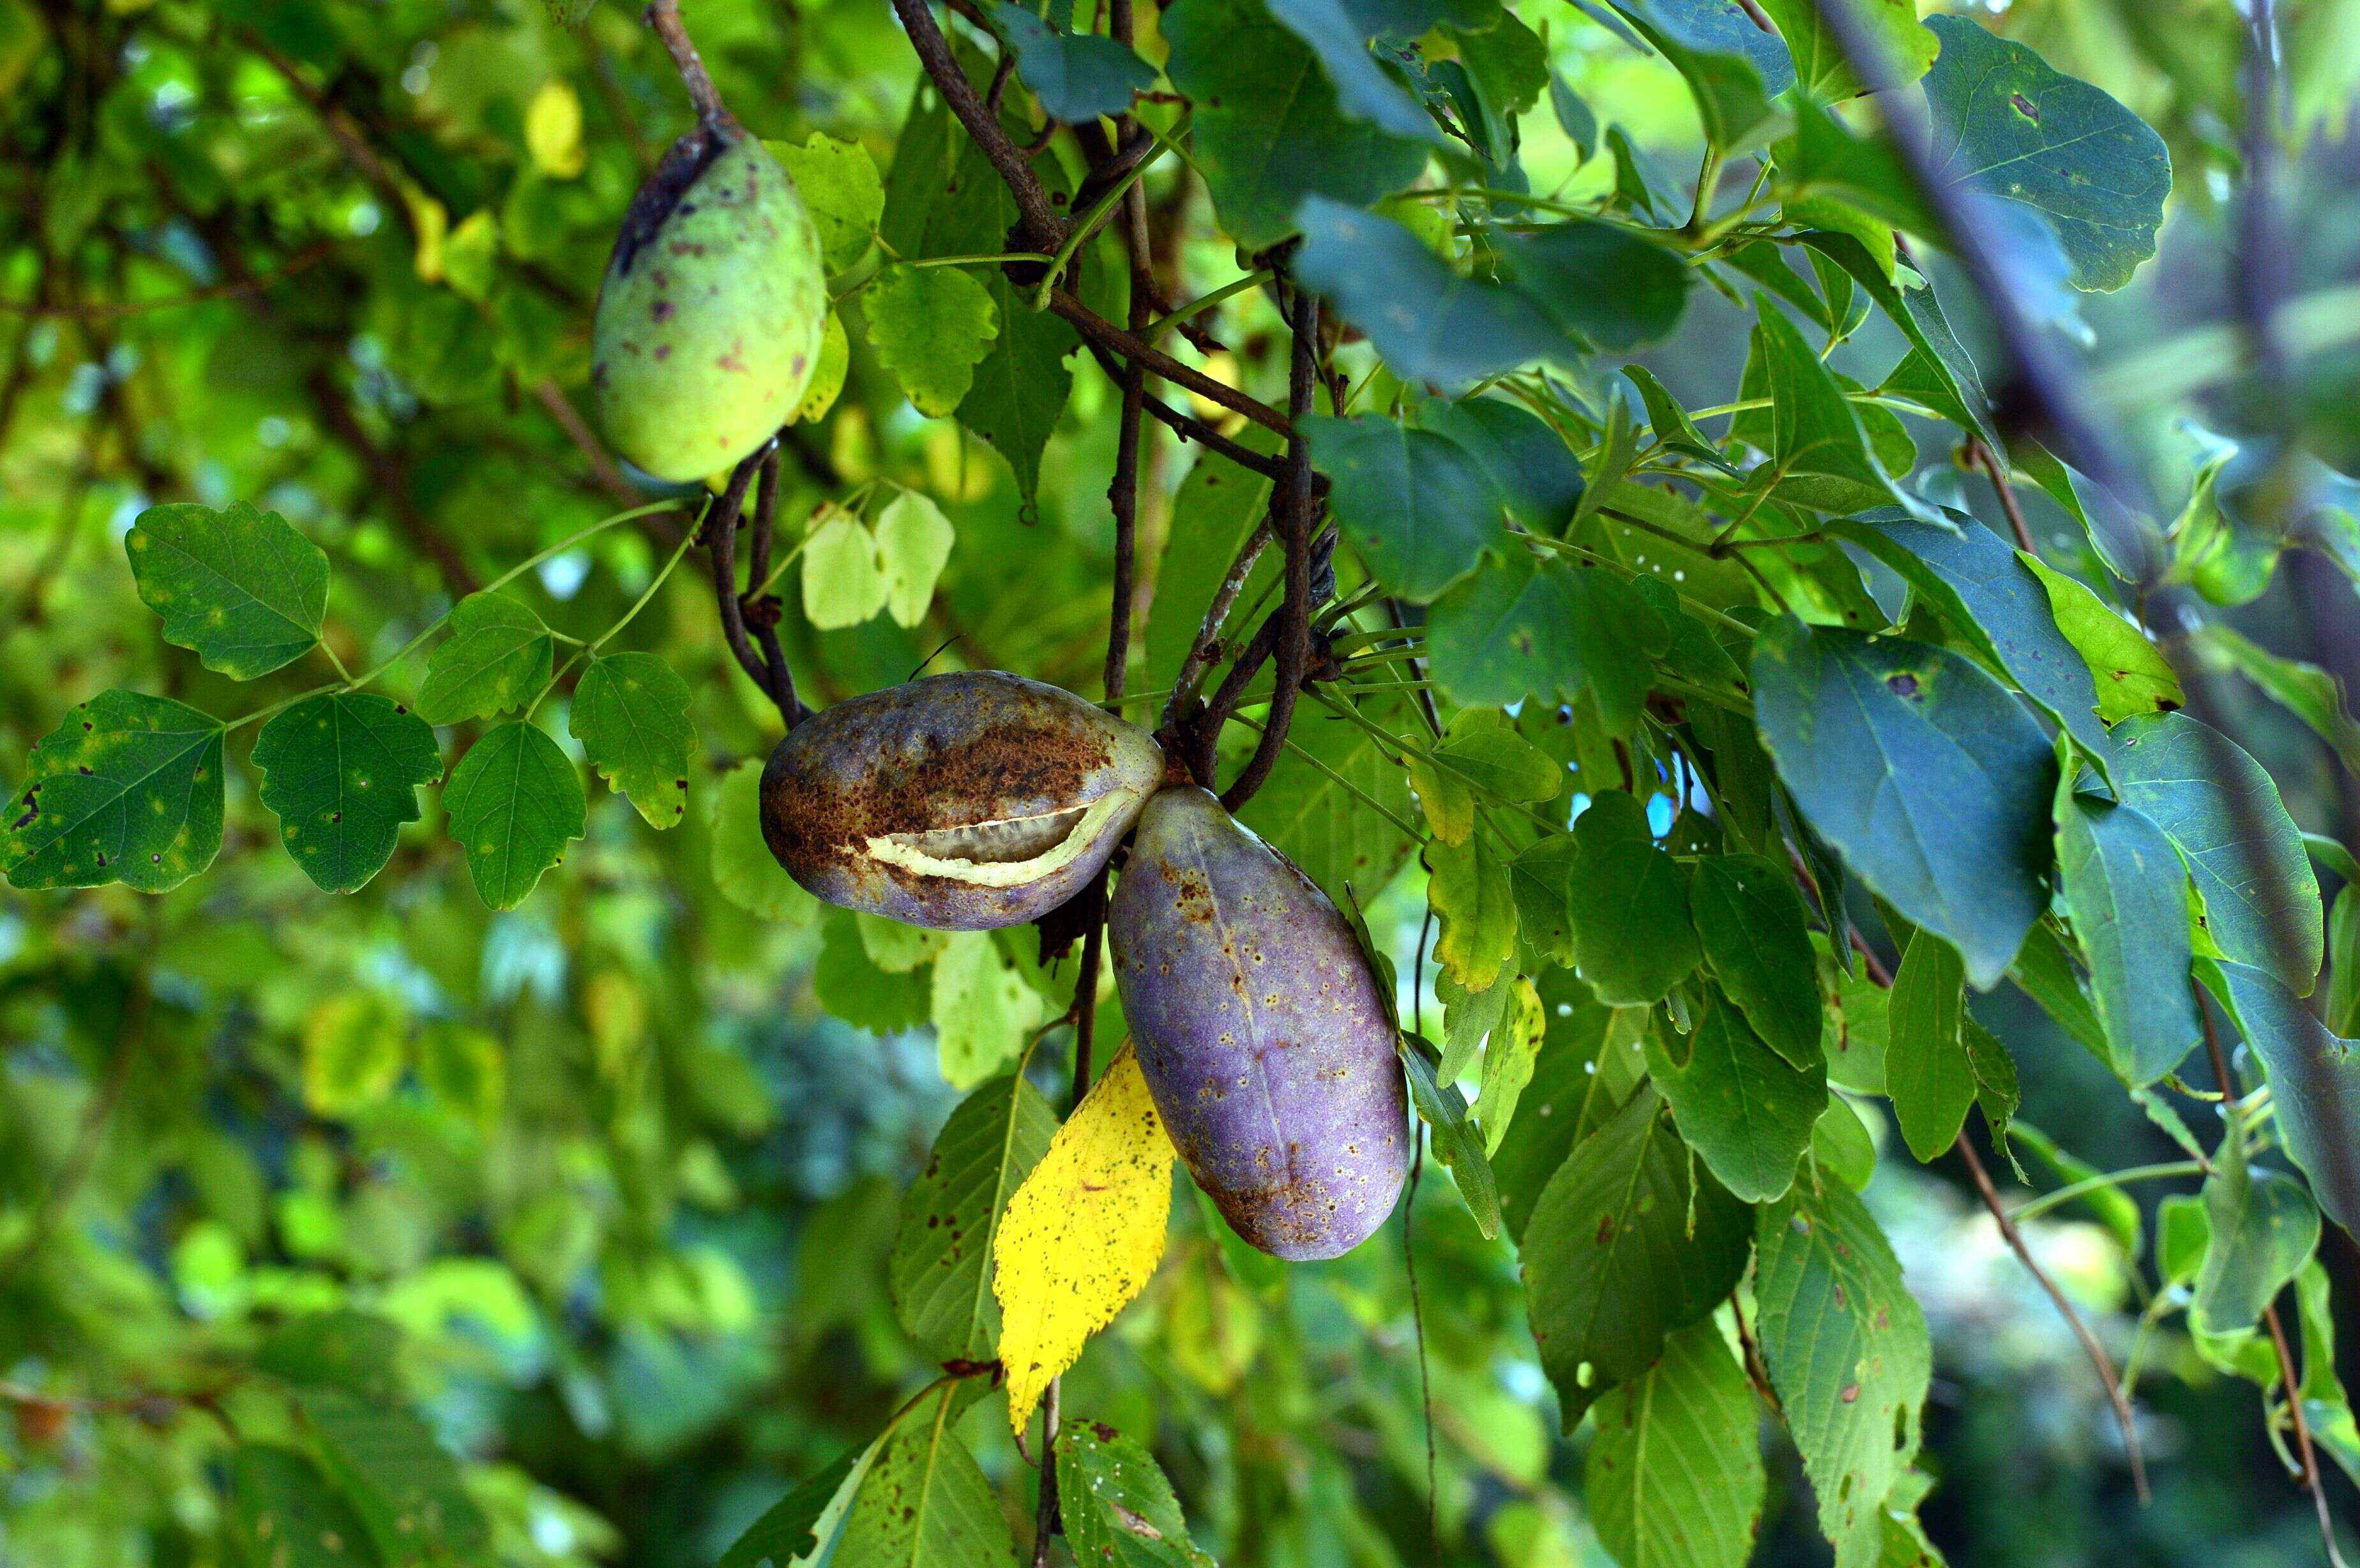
2090,1346
1044,226
1202,651
1990,463
663,16
1187,427
1044,1516
1298,505
1093,325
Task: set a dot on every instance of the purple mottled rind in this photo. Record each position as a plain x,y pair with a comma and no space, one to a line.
1261,1031
938,757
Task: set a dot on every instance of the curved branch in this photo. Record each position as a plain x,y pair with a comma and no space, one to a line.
1098,329
721,538
1044,226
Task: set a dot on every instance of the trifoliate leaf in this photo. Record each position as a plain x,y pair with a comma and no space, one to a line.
913,540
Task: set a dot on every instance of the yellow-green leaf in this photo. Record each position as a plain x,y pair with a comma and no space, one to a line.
2133,675
842,586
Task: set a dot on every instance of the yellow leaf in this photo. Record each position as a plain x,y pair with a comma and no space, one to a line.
431,221
1082,1234
552,130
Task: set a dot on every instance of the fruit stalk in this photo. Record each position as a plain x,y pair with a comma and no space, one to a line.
663,16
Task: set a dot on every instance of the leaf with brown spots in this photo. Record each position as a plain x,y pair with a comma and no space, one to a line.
127,789
341,771
941,1271
630,713
1117,1507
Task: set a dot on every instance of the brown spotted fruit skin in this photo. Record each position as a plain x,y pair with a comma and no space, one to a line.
710,316
1261,1031
876,804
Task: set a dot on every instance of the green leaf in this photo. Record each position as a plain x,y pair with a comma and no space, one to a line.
2264,1228
1843,1146
1467,1017
1587,1066
913,540
1628,900
2045,970
1820,454
341,771
983,1009
2022,132
1537,879
1508,1061
851,986
514,800
1821,69
924,1503
1574,117
286,1515
2310,693
630,713
126,788
1117,1508
895,948
1756,935
1544,626
1615,288
941,1269
931,326
1859,1027
1731,67
1612,1263
1995,601
1997,1091
744,869
2127,893
1020,388
2243,853
1413,504
1847,1351
2132,676
827,375
788,1534
1926,1070
1269,129
1500,763
2315,1079
352,1054
1674,430
406,1489
1932,781
840,189
1457,1139
1077,76
1430,323
1746,1111
1470,891
1336,803
343,1349
1339,33
241,587
1674,1475
497,657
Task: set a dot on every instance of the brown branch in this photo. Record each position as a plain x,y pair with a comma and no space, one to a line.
1300,504
1098,328
1187,427
108,311
1044,226
391,481
663,16
1981,451
763,611
611,477
2090,1346
721,540
1205,647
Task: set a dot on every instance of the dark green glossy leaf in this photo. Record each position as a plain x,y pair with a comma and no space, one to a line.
1822,72
1077,76
1269,129
1528,464
2128,896
1733,68
1412,504
1611,1266
1430,323
1932,781
1746,1111
2022,132
341,771
1547,628
1338,34
1633,938
1589,1061
514,800
2315,1079
1848,1353
630,713
126,788
2261,897
1927,1068
241,587
1820,454
2046,973
1756,936
786,1533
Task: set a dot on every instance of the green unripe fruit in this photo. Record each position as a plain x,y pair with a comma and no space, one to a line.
710,317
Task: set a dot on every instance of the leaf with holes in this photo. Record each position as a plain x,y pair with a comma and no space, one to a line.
241,587
1612,1265
497,657
341,771
1674,1477
1848,1353
126,788
514,800
630,713
1117,1508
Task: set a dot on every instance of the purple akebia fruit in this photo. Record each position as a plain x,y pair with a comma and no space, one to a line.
960,802
1260,1030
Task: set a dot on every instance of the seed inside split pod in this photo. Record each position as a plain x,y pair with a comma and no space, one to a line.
961,802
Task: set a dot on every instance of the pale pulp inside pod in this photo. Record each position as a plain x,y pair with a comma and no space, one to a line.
1007,852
